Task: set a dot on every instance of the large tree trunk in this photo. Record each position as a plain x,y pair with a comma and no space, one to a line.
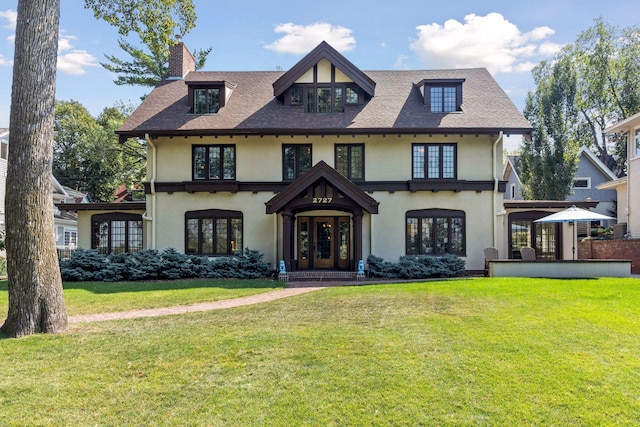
36,302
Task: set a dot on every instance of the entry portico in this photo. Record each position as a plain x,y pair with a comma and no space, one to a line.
313,236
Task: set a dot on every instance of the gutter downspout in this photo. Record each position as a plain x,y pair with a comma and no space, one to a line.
494,214
630,233
152,183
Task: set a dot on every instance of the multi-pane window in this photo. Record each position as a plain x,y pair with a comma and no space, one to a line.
434,161
213,232
116,233
351,96
206,101
214,162
324,99
443,99
295,96
435,231
70,238
525,231
296,160
350,160
637,137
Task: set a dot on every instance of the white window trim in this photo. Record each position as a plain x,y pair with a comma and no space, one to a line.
586,178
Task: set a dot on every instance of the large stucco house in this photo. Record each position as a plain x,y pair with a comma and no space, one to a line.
319,166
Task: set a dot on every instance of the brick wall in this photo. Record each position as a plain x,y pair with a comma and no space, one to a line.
612,249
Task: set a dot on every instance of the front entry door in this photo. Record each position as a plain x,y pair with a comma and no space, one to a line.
323,242
324,253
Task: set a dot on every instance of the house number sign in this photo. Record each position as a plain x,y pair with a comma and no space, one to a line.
322,200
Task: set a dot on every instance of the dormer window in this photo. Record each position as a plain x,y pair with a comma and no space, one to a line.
324,99
208,97
443,99
324,81
206,101
295,94
352,96
442,96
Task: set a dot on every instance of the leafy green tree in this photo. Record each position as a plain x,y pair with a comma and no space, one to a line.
36,302
607,64
87,154
155,22
131,153
549,159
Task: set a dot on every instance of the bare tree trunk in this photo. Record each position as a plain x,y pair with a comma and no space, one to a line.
36,302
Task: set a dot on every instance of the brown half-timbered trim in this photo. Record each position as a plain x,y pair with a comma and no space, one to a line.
324,51
368,186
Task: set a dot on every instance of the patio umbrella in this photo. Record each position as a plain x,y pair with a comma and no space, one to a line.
574,214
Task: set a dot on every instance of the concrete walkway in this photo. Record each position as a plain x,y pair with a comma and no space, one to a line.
204,306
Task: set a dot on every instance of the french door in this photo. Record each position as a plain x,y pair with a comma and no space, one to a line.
323,242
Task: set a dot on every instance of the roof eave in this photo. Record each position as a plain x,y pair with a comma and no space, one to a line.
155,133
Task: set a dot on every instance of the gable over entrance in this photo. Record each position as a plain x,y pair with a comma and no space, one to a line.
322,188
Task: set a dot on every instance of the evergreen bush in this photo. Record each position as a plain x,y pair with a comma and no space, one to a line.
86,265
83,265
416,267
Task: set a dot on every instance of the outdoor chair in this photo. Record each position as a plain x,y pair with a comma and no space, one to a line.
528,254
489,254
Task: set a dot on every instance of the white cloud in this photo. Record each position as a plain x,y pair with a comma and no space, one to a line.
73,61
300,39
549,49
489,41
11,16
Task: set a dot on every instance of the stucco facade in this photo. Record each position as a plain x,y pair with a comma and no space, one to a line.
627,187
322,165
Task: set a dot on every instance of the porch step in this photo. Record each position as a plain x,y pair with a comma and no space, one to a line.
319,275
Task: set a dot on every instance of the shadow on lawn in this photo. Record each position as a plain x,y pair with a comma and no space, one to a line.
163,285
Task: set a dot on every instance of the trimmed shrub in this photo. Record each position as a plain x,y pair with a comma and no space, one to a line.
417,267
83,265
379,268
86,265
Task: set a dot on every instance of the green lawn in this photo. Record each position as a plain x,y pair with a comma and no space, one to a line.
494,352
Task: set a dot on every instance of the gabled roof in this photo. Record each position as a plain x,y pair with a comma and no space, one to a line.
322,171
324,51
397,107
512,165
597,162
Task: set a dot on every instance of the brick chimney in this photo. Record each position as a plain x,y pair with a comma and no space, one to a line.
181,61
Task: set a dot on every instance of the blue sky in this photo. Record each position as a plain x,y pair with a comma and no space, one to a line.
507,37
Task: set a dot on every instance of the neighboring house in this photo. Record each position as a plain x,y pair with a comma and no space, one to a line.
318,166
65,222
511,174
590,173
628,187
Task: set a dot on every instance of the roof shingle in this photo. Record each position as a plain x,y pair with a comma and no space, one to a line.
396,107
